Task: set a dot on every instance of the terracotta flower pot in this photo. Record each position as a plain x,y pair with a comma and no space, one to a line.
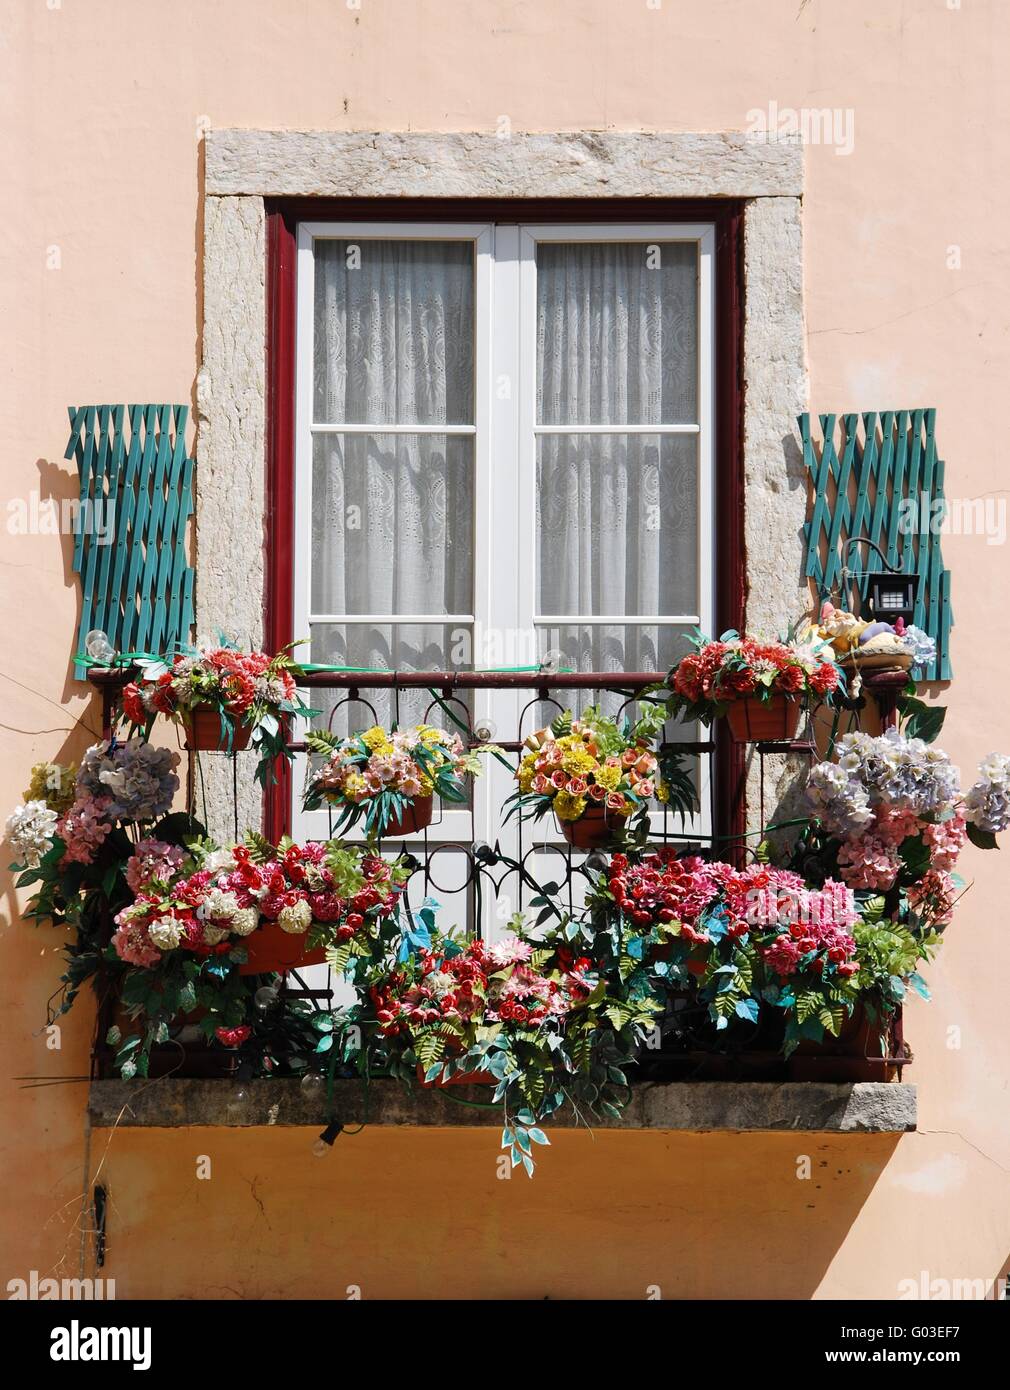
594,829
411,820
205,735
855,1054
462,1078
752,721
275,951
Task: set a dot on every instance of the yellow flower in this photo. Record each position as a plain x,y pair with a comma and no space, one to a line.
527,771
355,785
577,762
375,737
427,785
608,777
663,791
427,733
569,807
53,784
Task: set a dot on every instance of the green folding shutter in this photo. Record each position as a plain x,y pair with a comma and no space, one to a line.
865,474
136,585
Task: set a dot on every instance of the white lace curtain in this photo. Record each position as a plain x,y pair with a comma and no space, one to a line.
392,513
616,514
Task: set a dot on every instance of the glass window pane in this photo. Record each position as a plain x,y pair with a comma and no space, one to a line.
388,647
392,523
617,333
617,524
393,332
616,647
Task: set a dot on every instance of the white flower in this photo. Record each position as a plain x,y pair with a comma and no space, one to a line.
219,861
244,921
219,904
987,804
295,918
165,933
213,935
30,829
995,769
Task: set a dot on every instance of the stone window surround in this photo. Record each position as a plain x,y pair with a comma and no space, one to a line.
243,167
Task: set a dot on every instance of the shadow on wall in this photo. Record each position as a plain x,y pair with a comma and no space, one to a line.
411,1213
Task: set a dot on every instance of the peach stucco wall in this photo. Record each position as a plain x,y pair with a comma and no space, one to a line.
102,103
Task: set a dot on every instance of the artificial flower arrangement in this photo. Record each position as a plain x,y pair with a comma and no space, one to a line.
206,901
526,1015
736,939
889,815
760,686
166,916
388,778
873,645
224,697
598,775
553,1014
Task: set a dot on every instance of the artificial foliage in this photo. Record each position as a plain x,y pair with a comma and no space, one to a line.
565,1006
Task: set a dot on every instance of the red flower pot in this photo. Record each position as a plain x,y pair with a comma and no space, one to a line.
411,820
205,735
462,1078
594,829
752,721
274,951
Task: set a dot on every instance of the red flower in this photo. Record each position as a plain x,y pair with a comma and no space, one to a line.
232,1037
825,678
163,697
133,706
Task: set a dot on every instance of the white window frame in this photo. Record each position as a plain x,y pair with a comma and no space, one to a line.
504,430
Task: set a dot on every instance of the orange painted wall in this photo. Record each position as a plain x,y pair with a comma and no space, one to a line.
102,103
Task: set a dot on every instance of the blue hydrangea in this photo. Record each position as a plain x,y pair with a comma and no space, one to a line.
139,778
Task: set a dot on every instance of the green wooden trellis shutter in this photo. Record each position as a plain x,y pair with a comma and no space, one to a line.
883,480
136,492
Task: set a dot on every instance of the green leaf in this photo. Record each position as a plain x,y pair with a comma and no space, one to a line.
981,839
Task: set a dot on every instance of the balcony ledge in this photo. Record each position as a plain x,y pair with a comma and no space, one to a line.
168,1103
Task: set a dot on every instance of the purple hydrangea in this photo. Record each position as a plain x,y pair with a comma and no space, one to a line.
138,778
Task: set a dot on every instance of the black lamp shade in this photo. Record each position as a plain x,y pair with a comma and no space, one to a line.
892,596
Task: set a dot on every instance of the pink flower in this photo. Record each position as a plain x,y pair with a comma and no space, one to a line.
945,841
867,861
152,859
83,829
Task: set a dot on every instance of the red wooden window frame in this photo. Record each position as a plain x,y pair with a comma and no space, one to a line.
282,218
